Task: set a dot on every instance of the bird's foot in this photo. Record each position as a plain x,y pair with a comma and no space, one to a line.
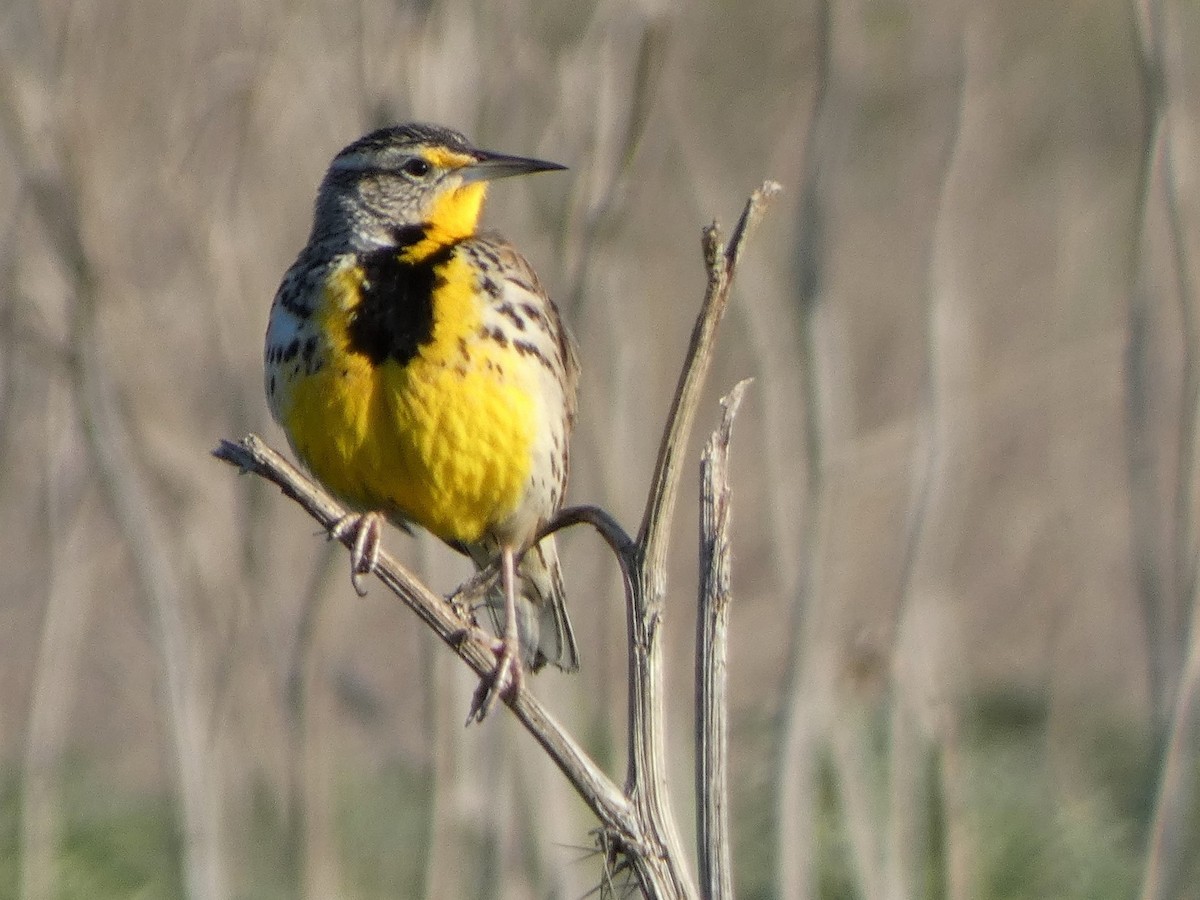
367,530
505,681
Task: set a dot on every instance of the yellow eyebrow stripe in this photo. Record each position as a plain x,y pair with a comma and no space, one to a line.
446,159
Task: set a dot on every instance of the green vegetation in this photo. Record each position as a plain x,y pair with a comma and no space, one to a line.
1040,824
112,846
1074,835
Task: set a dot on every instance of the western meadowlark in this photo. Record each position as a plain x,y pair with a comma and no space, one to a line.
423,375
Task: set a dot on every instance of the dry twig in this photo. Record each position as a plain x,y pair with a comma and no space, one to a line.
637,821
713,837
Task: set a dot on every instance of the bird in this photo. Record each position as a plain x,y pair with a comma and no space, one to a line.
423,375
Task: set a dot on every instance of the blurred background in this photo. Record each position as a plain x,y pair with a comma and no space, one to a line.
964,477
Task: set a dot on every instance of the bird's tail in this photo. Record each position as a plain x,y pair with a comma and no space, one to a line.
545,628
542,622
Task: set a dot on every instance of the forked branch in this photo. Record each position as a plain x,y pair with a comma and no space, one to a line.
637,822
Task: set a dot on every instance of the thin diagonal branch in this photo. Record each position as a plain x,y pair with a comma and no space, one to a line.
251,454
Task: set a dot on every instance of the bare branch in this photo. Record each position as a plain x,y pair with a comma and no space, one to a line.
713,837
721,263
636,823
646,779
251,454
610,529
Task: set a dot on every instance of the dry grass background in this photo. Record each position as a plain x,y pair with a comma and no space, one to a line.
964,478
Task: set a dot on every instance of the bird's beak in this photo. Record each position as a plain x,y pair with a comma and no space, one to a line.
490,166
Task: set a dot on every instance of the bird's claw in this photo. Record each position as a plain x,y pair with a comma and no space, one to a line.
367,529
505,681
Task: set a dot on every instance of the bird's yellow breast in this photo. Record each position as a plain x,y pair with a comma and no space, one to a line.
443,440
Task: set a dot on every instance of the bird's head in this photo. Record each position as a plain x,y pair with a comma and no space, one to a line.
414,187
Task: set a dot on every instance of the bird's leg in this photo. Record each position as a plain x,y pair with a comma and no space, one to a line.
367,529
508,675
508,666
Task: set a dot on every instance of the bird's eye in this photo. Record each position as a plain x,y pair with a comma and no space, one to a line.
416,167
